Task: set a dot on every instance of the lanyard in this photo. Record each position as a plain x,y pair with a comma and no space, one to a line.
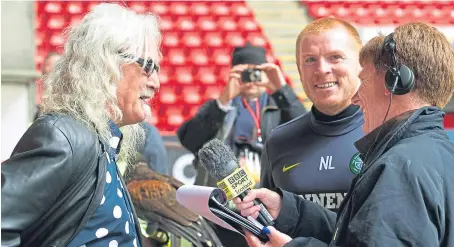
255,117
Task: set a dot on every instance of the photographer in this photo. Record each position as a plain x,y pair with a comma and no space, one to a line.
233,116
403,194
243,117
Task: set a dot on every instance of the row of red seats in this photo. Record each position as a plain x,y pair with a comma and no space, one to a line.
213,40
170,117
182,24
189,94
175,39
171,8
198,38
384,2
177,57
207,24
383,13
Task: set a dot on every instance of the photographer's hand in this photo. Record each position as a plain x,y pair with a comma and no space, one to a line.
275,80
234,85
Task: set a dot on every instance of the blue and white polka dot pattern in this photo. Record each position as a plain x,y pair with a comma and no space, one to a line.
113,222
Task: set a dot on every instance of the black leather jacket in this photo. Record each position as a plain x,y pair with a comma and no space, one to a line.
54,182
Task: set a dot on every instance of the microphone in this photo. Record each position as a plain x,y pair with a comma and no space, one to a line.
222,165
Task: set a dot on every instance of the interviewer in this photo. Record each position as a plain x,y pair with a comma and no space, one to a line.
404,194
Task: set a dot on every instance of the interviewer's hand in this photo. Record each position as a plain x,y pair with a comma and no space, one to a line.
277,239
271,200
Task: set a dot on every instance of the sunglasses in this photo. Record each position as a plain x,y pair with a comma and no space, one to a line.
148,66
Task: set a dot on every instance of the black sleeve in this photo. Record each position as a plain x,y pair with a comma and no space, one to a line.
306,242
302,218
404,207
38,171
266,176
203,127
288,102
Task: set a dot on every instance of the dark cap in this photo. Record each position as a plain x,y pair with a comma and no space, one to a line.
249,54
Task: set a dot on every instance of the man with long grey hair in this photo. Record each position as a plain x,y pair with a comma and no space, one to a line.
62,186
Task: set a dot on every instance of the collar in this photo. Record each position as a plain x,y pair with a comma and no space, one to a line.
115,140
343,123
405,125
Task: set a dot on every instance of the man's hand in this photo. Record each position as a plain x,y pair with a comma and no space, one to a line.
275,80
234,87
277,239
271,200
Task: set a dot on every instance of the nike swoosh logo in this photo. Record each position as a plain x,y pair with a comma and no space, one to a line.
284,169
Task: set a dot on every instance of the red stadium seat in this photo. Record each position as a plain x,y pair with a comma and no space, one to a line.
75,8
38,23
248,25
53,7
193,111
199,9
222,58
163,75
39,39
224,73
170,40
227,24
212,92
166,24
220,9
167,95
234,40
75,19
57,39
39,58
174,116
159,8
257,39
178,9
185,24
176,57
56,22
91,5
206,24
198,57
183,75
138,7
240,9
191,40
213,40
206,75
191,95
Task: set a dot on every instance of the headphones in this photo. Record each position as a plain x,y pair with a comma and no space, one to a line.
399,79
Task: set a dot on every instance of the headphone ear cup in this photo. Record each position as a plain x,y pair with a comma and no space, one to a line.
407,79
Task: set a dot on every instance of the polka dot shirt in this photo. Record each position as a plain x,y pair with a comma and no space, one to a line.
113,222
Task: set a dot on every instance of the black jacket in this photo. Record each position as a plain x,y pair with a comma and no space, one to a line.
403,195
209,122
54,182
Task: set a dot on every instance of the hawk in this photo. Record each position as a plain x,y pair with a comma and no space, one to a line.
154,198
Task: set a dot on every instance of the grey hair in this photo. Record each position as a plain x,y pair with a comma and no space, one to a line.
84,81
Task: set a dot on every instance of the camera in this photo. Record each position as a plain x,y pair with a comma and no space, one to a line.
251,75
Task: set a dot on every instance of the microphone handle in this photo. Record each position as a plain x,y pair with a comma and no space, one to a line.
264,217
